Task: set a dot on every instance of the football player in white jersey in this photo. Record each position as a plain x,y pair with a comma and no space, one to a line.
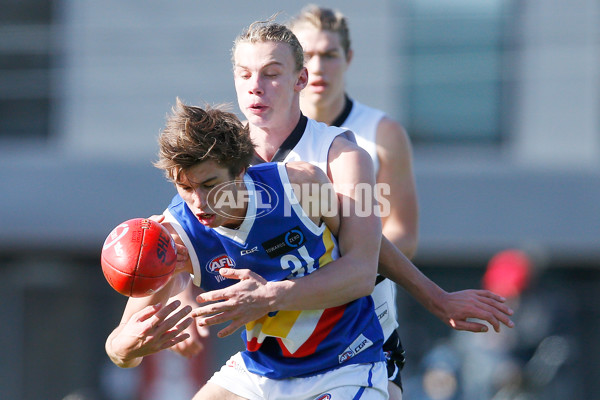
324,35
269,75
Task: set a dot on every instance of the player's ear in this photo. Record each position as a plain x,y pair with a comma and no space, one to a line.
302,80
349,56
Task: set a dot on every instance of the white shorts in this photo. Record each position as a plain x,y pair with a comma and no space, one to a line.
355,381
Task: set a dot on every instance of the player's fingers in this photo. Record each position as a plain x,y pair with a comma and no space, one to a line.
469,326
501,318
233,273
213,308
214,319
176,333
157,218
174,341
484,313
229,329
241,274
174,320
182,252
213,295
491,295
146,312
180,327
168,309
494,313
497,305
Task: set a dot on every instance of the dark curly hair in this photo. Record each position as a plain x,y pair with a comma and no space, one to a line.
193,135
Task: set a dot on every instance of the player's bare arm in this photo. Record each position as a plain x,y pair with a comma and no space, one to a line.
147,327
400,225
400,228
452,308
152,323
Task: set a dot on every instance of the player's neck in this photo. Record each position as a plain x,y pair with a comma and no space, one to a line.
325,112
268,139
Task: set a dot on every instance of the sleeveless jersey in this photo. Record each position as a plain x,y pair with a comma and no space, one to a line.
313,146
278,241
363,122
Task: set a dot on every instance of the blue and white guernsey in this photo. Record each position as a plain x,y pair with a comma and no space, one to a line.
282,243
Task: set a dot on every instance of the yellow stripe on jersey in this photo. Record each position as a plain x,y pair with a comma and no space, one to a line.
292,327
329,244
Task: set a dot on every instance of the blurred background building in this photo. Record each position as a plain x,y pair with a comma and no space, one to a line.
500,97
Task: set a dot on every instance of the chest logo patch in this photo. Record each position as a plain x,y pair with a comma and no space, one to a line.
222,261
284,243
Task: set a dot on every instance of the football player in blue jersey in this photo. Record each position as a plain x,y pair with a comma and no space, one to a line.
267,222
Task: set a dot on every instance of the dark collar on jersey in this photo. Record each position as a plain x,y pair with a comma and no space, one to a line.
339,121
288,144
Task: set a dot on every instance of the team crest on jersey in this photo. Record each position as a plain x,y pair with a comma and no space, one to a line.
222,261
284,243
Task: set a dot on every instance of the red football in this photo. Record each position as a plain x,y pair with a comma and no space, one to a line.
138,257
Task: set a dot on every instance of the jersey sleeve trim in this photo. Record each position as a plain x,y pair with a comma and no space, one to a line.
196,276
295,204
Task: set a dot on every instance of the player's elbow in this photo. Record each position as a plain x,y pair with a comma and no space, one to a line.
409,247
365,282
404,241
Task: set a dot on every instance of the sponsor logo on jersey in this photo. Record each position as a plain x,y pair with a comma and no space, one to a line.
284,243
325,396
382,312
360,343
249,251
222,261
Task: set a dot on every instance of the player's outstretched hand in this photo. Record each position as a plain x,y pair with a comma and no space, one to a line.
150,330
246,301
457,309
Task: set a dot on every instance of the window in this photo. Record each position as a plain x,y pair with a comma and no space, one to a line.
25,68
454,55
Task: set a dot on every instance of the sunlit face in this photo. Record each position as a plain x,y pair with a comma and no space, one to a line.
326,63
266,82
196,189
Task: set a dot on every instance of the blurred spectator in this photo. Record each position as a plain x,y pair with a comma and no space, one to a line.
513,364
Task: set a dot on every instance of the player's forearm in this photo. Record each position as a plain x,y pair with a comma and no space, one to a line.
116,356
330,286
346,279
393,264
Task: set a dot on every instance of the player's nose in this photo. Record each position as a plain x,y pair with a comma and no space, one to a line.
255,85
314,65
198,199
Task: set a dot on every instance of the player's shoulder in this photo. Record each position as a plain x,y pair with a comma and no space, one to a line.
390,132
300,172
